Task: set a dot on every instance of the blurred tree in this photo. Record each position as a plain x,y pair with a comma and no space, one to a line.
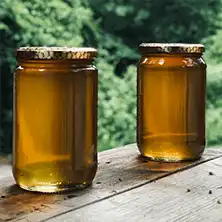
213,43
157,21
124,25
214,84
133,22
214,104
117,107
115,27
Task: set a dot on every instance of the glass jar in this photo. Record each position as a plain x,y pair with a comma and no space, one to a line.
55,118
171,85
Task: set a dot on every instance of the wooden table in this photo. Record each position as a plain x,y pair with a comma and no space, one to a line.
126,189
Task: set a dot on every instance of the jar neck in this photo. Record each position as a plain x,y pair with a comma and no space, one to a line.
52,63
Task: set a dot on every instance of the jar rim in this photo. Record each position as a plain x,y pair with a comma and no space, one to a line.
55,53
171,48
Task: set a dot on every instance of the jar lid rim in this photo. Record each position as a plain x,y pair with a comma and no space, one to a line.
56,53
171,48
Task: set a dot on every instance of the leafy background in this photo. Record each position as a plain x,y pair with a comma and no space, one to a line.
116,28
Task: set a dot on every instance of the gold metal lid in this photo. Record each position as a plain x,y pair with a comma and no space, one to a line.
55,53
180,48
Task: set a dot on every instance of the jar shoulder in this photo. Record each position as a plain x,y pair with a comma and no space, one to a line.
22,67
172,61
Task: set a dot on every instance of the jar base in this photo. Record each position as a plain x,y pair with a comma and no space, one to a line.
171,151
170,159
55,188
53,177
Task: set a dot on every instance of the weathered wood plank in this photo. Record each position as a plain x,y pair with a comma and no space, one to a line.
5,171
194,195
120,170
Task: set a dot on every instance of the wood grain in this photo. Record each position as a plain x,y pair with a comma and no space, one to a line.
194,195
120,170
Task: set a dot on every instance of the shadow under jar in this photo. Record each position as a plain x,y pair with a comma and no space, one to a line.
171,85
55,118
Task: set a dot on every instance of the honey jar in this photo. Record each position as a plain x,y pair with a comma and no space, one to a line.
171,86
55,118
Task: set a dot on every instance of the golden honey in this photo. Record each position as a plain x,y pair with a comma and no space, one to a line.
55,118
171,85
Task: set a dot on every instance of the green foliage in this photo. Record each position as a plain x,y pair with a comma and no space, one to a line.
214,104
115,27
157,21
117,107
127,24
34,23
214,126
213,43
214,86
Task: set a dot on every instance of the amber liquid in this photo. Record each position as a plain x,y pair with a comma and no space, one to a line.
171,108
55,130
